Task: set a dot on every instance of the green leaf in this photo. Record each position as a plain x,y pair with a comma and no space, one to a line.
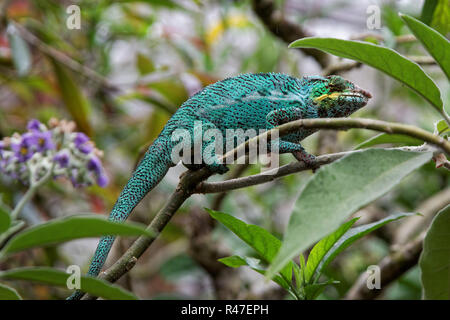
428,11
237,261
339,189
94,286
435,43
266,244
351,236
233,261
144,64
435,258
173,90
65,229
8,293
322,247
385,138
313,290
442,127
74,99
381,58
20,51
441,17
5,220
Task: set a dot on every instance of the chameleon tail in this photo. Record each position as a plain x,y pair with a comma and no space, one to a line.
150,171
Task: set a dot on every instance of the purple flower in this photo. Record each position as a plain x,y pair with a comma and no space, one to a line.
44,141
34,125
24,150
94,165
82,143
62,159
2,147
74,178
102,180
80,138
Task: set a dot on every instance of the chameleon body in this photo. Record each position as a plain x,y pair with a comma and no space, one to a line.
248,101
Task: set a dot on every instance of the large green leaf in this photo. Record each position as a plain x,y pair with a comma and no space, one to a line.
339,189
385,138
266,244
65,229
322,247
352,235
73,97
94,286
8,293
5,220
435,258
435,43
381,58
20,51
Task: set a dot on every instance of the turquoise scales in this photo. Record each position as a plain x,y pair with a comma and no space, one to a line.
248,101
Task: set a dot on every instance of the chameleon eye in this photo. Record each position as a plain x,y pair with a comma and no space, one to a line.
337,83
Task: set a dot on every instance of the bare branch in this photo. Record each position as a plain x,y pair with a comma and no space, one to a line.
284,29
63,58
391,268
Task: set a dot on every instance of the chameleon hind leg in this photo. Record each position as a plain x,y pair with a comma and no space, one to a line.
211,159
289,143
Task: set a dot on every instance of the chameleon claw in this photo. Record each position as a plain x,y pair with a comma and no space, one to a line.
307,158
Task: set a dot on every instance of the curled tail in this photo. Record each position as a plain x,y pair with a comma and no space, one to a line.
150,171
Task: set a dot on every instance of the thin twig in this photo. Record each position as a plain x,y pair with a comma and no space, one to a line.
378,125
63,58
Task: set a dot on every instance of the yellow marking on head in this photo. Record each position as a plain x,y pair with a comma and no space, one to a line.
333,95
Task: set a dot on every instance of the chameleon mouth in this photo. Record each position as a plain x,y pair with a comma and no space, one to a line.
355,93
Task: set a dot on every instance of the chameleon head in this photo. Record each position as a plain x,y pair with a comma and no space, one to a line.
333,96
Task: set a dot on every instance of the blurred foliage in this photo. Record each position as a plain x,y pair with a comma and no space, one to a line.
148,57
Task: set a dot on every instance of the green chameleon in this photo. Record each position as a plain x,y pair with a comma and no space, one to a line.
248,101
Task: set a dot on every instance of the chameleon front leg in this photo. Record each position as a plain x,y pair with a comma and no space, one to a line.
297,151
289,143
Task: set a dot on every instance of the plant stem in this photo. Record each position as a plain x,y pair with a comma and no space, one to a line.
30,193
8,233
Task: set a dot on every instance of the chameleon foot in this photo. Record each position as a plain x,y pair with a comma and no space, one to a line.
307,158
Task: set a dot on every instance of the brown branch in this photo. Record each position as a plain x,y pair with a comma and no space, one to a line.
404,255
391,268
414,225
284,29
378,125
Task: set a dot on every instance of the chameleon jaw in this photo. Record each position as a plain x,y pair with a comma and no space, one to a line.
357,93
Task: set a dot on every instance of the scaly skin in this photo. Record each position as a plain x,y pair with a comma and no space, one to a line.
248,101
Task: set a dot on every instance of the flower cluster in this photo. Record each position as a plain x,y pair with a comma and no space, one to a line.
52,151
